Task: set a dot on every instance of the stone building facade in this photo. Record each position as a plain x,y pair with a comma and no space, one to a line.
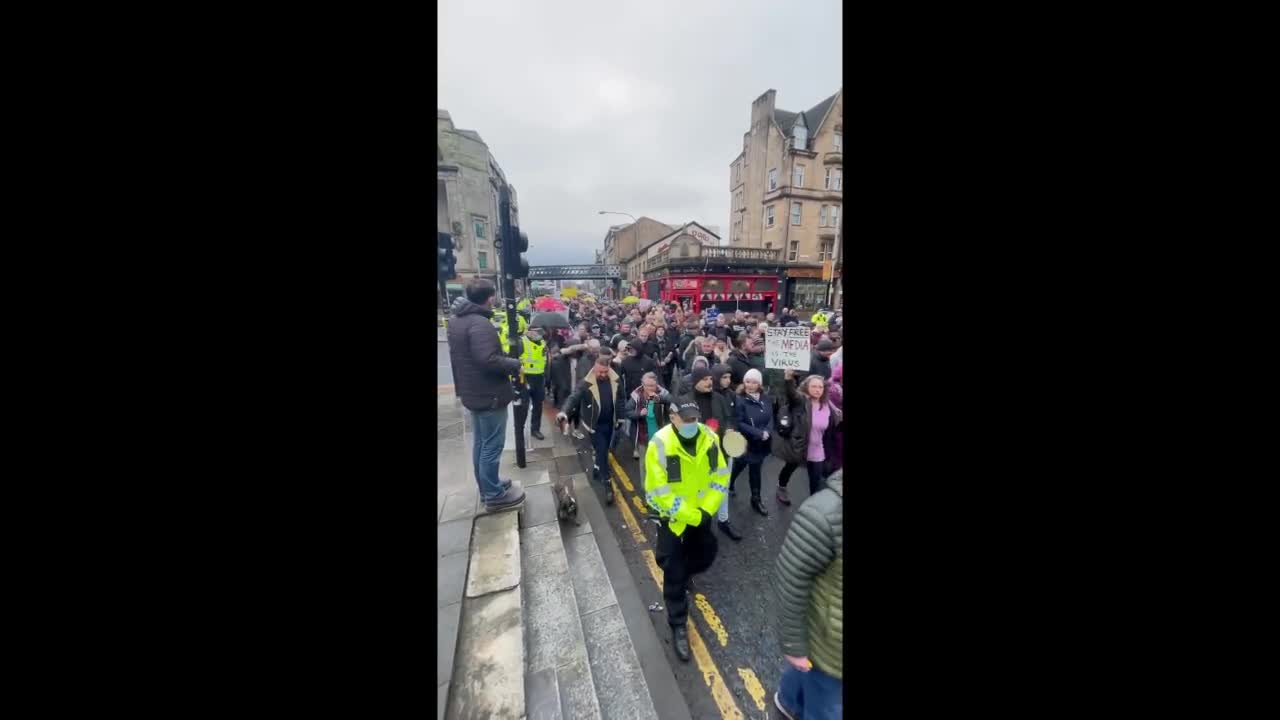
467,182
786,191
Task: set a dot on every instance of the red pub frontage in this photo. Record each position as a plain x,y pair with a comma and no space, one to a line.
690,267
750,293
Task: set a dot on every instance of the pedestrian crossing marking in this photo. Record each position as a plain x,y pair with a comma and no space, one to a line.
754,688
713,620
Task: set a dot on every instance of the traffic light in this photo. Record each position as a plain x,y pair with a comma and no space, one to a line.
516,265
445,260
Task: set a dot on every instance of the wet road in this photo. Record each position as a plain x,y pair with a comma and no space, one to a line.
731,605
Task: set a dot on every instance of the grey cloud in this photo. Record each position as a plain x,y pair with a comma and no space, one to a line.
635,107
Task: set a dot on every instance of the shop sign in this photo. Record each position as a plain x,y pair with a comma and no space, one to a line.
732,296
684,284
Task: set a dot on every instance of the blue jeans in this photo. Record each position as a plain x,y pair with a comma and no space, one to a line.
602,441
490,430
812,694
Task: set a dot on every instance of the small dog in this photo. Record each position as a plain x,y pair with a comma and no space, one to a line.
566,503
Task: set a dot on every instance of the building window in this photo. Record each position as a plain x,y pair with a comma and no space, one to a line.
795,251
684,249
836,180
826,184
835,216
795,213
484,260
739,286
822,216
768,246
825,249
838,142
797,176
481,226
768,217
773,179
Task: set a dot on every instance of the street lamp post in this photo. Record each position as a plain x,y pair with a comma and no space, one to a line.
633,219
610,212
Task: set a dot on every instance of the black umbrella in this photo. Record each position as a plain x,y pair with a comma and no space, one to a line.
549,320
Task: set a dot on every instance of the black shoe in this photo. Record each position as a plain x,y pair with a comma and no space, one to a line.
537,434
608,493
727,529
680,635
759,506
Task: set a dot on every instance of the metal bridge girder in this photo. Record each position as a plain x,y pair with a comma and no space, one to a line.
575,272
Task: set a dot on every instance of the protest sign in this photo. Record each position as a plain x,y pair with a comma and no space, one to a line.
786,348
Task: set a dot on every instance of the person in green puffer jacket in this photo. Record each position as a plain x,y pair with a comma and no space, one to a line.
809,580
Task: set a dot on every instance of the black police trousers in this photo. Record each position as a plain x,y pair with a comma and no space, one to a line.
681,557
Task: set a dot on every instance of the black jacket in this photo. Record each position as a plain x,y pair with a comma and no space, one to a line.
719,410
819,365
584,404
791,443
633,369
481,373
739,363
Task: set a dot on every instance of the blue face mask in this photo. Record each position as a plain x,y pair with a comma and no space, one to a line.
688,430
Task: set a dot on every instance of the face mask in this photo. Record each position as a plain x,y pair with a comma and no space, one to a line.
688,430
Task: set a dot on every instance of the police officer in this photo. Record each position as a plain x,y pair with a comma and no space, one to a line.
818,319
533,358
500,320
686,479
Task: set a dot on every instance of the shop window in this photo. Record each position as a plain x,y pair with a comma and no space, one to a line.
740,286
710,286
766,285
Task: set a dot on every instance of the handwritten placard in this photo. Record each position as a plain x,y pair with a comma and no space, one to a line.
786,348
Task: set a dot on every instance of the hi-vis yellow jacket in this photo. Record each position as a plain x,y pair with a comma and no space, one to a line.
680,486
503,329
534,356
818,319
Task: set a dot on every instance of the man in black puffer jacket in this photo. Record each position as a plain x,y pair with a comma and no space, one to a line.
481,378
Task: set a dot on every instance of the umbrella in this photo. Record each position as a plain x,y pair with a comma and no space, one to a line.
630,300
548,303
550,320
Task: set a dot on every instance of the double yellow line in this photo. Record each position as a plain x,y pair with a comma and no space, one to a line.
720,692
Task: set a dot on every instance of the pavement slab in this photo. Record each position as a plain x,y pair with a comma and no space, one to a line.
539,506
488,682
551,618
619,680
495,555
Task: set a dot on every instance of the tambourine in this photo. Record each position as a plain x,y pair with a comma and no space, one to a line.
734,444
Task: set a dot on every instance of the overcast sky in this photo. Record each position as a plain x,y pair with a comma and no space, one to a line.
631,106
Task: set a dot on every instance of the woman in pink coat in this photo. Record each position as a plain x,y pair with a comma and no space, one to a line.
835,389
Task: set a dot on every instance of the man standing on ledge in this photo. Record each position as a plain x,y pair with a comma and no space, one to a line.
686,478
481,379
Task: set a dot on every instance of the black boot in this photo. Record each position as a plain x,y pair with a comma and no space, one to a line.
608,492
680,635
758,506
727,529
537,434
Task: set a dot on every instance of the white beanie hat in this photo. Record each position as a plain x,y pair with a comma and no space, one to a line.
753,374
